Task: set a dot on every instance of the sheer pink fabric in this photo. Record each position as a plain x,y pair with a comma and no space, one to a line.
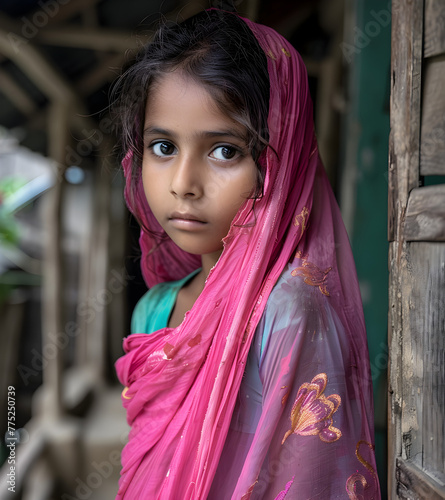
290,266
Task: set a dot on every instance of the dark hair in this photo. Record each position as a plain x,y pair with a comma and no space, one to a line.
218,50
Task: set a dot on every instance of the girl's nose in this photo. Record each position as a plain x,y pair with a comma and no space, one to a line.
186,181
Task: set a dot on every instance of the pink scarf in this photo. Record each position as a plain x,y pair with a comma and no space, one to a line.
313,438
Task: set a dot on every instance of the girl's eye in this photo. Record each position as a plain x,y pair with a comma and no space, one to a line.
163,148
225,153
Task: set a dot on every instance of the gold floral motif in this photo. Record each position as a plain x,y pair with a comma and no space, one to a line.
246,333
167,350
270,54
285,52
351,485
284,398
249,492
312,275
301,219
311,414
361,459
355,480
124,393
194,341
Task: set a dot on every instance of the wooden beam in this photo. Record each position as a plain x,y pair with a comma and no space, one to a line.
405,106
36,67
67,11
434,43
16,94
425,214
96,330
44,75
406,74
93,39
52,289
432,141
106,71
414,483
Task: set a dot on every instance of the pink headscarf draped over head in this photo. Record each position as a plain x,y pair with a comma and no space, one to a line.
182,384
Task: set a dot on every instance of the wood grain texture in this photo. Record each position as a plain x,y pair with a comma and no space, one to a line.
425,214
432,140
413,484
419,407
404,175
434,27
52,289
427,331
406,84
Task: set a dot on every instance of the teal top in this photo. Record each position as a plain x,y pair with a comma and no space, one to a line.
154,309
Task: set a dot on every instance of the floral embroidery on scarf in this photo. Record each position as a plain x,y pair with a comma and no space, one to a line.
285,397
282,495
352,483
194,341
312,411
301,219
285,52
311,274
124,393
361,459
167,350
249,492
358,481
270,54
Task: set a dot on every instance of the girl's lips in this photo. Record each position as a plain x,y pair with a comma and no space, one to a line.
185,216
186,221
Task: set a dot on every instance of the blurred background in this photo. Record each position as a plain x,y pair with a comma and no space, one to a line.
69,271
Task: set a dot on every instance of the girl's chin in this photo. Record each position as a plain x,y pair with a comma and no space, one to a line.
195,248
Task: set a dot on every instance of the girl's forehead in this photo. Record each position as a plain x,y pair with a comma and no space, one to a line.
172,85
177,100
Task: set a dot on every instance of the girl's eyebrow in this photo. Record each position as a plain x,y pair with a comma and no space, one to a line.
229,132
157,131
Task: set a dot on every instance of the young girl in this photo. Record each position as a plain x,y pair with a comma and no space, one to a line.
247,374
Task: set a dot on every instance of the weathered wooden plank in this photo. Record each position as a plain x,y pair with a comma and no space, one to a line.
89,38
52,290
395,381
417,260
418,413
413,484
99,255
427,326
31,61
432,139
425,214
427,319
434,43
404,175
406,66
12,90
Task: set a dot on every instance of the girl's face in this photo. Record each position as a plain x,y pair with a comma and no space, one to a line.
197,170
